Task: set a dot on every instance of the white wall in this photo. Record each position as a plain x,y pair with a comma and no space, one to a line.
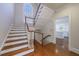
44,16
35,6
19,15
72,11
48,29
43,22
6,19
38,37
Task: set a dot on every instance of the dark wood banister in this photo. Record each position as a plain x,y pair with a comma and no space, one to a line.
37,12
43,37
26,23
34,17
29,17
46,37
33,21
34,24
36,32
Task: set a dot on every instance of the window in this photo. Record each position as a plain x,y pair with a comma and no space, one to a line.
28,10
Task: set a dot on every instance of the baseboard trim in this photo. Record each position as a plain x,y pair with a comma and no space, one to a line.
75,50
5,38
38,41
54,42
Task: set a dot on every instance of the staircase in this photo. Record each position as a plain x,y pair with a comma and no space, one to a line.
16,43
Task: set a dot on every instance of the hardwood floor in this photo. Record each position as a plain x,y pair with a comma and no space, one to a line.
50,50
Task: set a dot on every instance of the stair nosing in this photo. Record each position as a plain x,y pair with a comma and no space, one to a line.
13,46
12,43
12,49
24,53
15,40
16,36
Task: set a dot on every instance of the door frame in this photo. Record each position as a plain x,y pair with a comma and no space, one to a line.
69,40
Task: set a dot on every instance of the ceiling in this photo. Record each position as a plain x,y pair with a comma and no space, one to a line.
54,6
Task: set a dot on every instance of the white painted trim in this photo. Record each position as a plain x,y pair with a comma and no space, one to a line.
17,34
17,42
17,28
39,41
17,38
69,32
25,52
75,50
54,42
13,49
17,31
69,46
5,38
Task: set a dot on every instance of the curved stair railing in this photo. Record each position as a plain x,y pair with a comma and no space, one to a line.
43,37
31,30
30,34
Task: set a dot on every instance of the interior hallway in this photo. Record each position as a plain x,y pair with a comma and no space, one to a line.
41,18
49,50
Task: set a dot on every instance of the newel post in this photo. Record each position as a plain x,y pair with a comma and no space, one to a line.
30,36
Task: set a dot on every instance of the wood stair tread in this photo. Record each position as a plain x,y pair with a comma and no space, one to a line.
15,40
15,52
12,46
17,32
16,36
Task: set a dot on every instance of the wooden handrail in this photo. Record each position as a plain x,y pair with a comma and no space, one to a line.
37,12
38,32
35,15
26,23
43,37
34,24
29,17
46,37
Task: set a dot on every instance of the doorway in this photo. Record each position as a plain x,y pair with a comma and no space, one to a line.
62,34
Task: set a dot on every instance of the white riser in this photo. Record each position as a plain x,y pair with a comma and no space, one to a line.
19,29
25,52
16,31
18,34
13,49
17,42
17,38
